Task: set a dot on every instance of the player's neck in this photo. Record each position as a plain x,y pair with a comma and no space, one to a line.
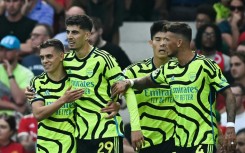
58,74
84,51
185,56
158,62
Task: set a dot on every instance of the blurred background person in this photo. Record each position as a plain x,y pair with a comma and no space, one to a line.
7,131
240,139
237,71
239,93
209,43
13,76
97,41
232,27
27,133
39,34
14,23
39,11
205,14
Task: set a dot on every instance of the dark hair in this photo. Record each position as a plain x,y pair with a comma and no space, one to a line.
179,28
207,10
241,131
218,38
57,44
83,21
240,86
48,28
157,27
240,55
96,23
10,120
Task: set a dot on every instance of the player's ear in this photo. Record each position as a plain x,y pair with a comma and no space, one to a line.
150,42
61,56
179,42
87,35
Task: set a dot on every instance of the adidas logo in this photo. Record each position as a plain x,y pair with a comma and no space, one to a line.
172,78
47,92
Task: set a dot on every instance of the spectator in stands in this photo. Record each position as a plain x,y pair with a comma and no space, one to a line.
222,9
209,43
39,11
40,33
237,63
239,93
13,77
205,14
240,138
97,41
15,23
27,133
7,130
234,25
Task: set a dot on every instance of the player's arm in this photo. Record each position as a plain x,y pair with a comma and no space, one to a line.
41,111
230,136
230,105
121,87
137,138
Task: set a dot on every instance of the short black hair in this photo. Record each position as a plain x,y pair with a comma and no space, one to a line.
157,26
57,44
180,28
83,21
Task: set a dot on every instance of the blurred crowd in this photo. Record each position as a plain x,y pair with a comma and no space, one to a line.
25,24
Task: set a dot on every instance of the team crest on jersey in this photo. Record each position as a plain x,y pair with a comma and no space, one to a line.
192,76
89,72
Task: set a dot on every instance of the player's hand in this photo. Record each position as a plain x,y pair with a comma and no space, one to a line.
72,94
119,88
30,93
112,108
230,140
137,140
